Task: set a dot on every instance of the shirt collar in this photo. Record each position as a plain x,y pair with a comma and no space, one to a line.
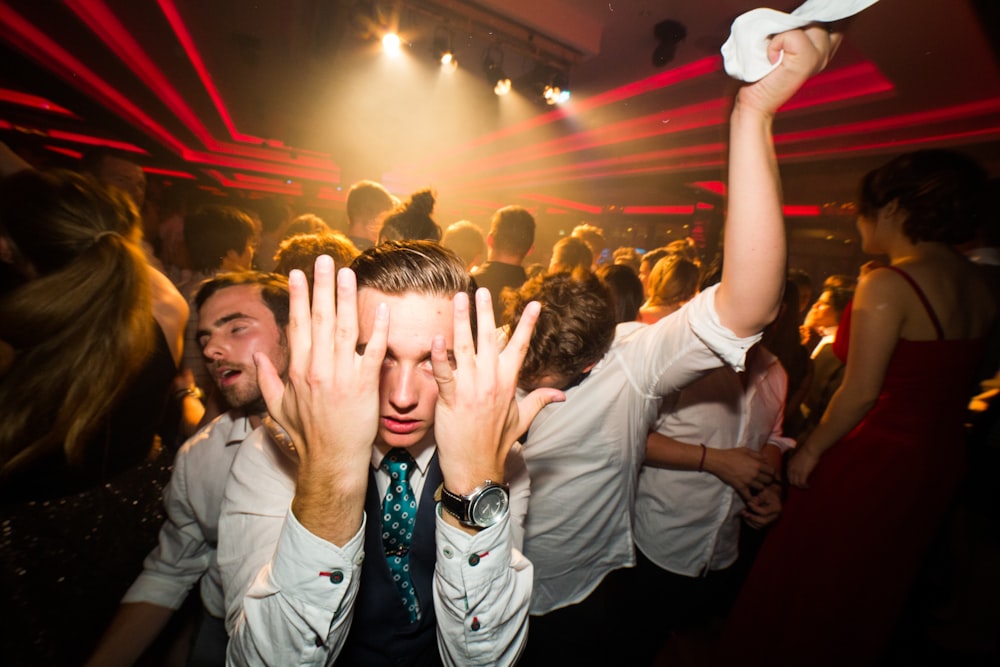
421,453
240,429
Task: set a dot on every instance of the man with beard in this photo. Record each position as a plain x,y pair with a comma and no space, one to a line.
239,314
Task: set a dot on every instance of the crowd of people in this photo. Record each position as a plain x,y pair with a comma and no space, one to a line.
396,444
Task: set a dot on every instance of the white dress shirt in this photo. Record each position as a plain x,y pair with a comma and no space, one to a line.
193,502
584,454
688,522
281,611
829,333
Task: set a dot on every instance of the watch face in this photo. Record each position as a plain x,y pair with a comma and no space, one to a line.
487,509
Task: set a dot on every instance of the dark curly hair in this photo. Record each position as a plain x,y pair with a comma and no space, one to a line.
941,192
574,330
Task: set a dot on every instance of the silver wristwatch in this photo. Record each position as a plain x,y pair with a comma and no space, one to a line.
480,509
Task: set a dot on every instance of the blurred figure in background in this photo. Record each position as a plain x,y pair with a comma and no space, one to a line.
412,220
594,237
368,203
569,254
511,238
625,290
468,242
84,382
673,282
873,480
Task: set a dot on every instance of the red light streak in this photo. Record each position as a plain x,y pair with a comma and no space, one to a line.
671,77
65,151
184,37
34,102
95,141
564,203
102,21
30,40
169,172
659,210
800,211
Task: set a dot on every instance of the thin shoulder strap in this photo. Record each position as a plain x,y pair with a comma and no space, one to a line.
923,300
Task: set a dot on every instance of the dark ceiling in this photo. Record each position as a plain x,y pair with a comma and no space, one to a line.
294,97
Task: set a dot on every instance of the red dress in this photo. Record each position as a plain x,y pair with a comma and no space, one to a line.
832,576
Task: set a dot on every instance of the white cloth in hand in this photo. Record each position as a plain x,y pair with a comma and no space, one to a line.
745,52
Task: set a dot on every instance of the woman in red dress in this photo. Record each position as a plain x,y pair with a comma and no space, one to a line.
872,481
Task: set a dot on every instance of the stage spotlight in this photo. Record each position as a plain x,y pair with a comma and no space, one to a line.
493,68
556,91
443,51
670,34
391,43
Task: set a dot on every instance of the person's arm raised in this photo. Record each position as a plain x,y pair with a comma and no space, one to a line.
329,405
753,272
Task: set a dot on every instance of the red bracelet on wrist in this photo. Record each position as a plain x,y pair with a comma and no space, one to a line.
701,464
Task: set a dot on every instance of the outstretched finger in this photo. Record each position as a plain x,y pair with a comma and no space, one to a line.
464,349
517,346
299,324
272,387
444,372
378,342
345,340
323,317
486,325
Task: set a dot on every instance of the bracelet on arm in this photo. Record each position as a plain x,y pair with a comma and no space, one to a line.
194,391
701,464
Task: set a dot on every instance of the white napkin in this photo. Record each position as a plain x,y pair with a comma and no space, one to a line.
745,52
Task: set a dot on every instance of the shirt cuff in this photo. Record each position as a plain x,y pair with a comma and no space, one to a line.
305,566
474,559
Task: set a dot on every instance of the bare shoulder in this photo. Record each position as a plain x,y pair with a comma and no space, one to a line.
957,293
169,305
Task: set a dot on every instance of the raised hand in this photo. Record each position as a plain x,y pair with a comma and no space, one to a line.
803,53
330,404
477,418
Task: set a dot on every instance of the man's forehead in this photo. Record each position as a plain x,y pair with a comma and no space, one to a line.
409,312
234,298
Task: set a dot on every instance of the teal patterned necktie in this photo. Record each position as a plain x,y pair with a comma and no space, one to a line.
399,514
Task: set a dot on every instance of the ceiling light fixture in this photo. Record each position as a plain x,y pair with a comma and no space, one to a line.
556,91
670,34
493,68
391,43
443,50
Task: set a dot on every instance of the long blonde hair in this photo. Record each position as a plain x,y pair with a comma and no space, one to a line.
80,323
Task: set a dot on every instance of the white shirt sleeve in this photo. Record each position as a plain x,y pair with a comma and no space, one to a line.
482,592
182,555
186,548
299,608
289,594
664,357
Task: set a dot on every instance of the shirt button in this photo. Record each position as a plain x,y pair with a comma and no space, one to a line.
336,576
319,642
448,553
475,624
474,560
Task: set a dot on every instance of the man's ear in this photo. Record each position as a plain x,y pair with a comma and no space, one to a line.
891,209
489,240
